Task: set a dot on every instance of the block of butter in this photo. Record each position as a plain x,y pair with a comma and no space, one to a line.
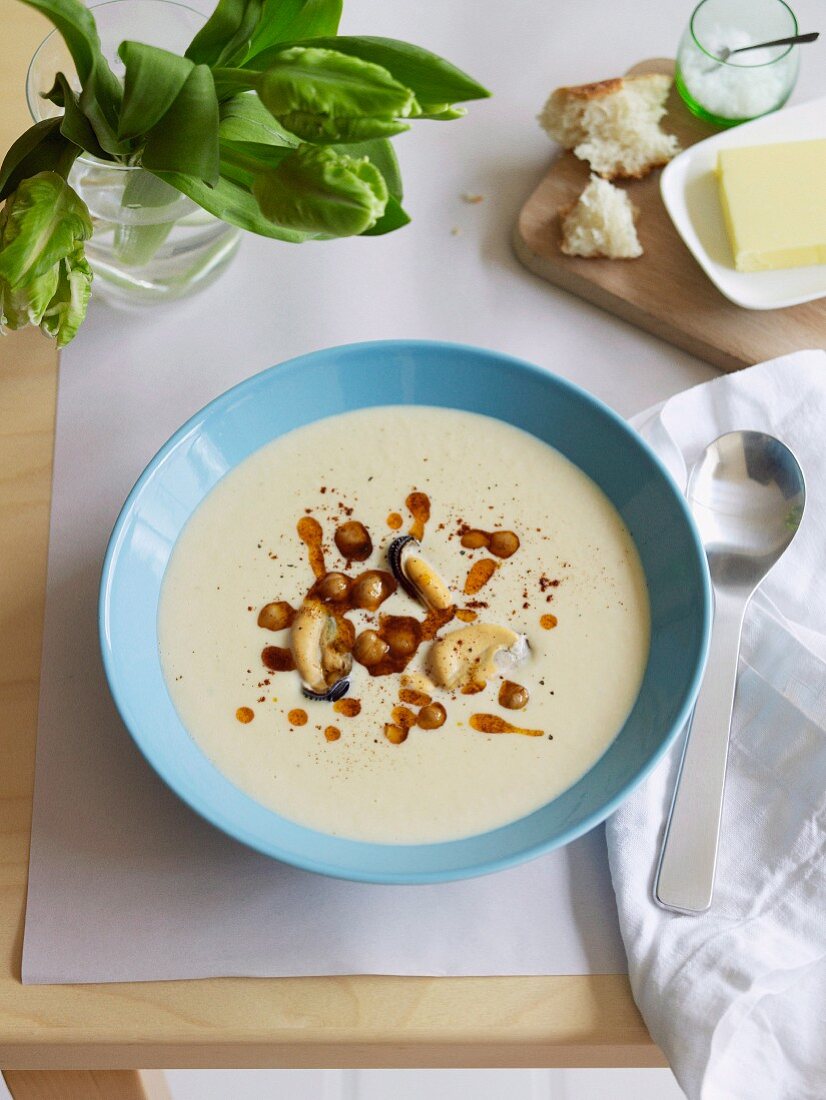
774,204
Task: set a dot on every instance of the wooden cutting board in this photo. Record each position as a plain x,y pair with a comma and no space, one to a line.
664,291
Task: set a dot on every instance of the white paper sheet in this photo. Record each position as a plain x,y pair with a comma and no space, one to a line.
125,882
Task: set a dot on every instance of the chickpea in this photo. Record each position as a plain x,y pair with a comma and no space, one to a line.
432,716
513,696
403,636
404,717
276,616
504,543
370,648
334,587
371,589
353,541
394,733
475,540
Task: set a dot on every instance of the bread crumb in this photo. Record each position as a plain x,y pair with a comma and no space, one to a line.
600,223
471,197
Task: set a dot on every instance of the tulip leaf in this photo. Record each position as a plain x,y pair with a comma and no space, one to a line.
76,25
245,118
394,217
383,155
74,125
41,223
225,37
434,81
153,80
185,139
135,243
289,20
232,202
41,148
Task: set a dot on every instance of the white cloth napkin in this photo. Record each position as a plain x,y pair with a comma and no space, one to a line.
736,997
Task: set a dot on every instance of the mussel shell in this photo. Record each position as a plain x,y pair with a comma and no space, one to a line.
395,557
332,695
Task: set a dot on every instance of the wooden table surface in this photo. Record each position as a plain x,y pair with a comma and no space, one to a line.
350,1021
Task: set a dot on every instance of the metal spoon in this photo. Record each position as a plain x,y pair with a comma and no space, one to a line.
795,40
747,494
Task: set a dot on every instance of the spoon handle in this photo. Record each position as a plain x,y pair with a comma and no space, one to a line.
685,877
793,40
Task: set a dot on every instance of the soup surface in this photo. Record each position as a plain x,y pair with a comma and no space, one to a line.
480,687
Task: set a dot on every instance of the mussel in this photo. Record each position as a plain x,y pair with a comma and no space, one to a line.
322,644
336,692
415,574
473,654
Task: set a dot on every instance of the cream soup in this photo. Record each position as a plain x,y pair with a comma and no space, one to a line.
480,687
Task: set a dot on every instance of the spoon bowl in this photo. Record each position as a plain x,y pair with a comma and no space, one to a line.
747,495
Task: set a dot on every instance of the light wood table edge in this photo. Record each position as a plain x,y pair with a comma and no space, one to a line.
349,1022
317,1054
87,1085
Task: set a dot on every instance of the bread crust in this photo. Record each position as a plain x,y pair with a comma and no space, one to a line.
570,134
595,90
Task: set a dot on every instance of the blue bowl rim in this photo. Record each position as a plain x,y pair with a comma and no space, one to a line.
213,816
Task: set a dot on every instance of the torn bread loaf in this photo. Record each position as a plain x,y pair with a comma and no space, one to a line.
600,223
614,125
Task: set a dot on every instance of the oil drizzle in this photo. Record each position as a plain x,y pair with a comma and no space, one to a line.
492,723
466,615
503,544
348,707
419,507
277,658
479,574
310,533
414,698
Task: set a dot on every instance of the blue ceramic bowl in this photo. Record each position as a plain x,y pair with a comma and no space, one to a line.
390,373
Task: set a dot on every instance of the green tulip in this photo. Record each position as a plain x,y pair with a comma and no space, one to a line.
319,190
324,96
44,276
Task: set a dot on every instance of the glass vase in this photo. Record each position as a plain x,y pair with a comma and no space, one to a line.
150,243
